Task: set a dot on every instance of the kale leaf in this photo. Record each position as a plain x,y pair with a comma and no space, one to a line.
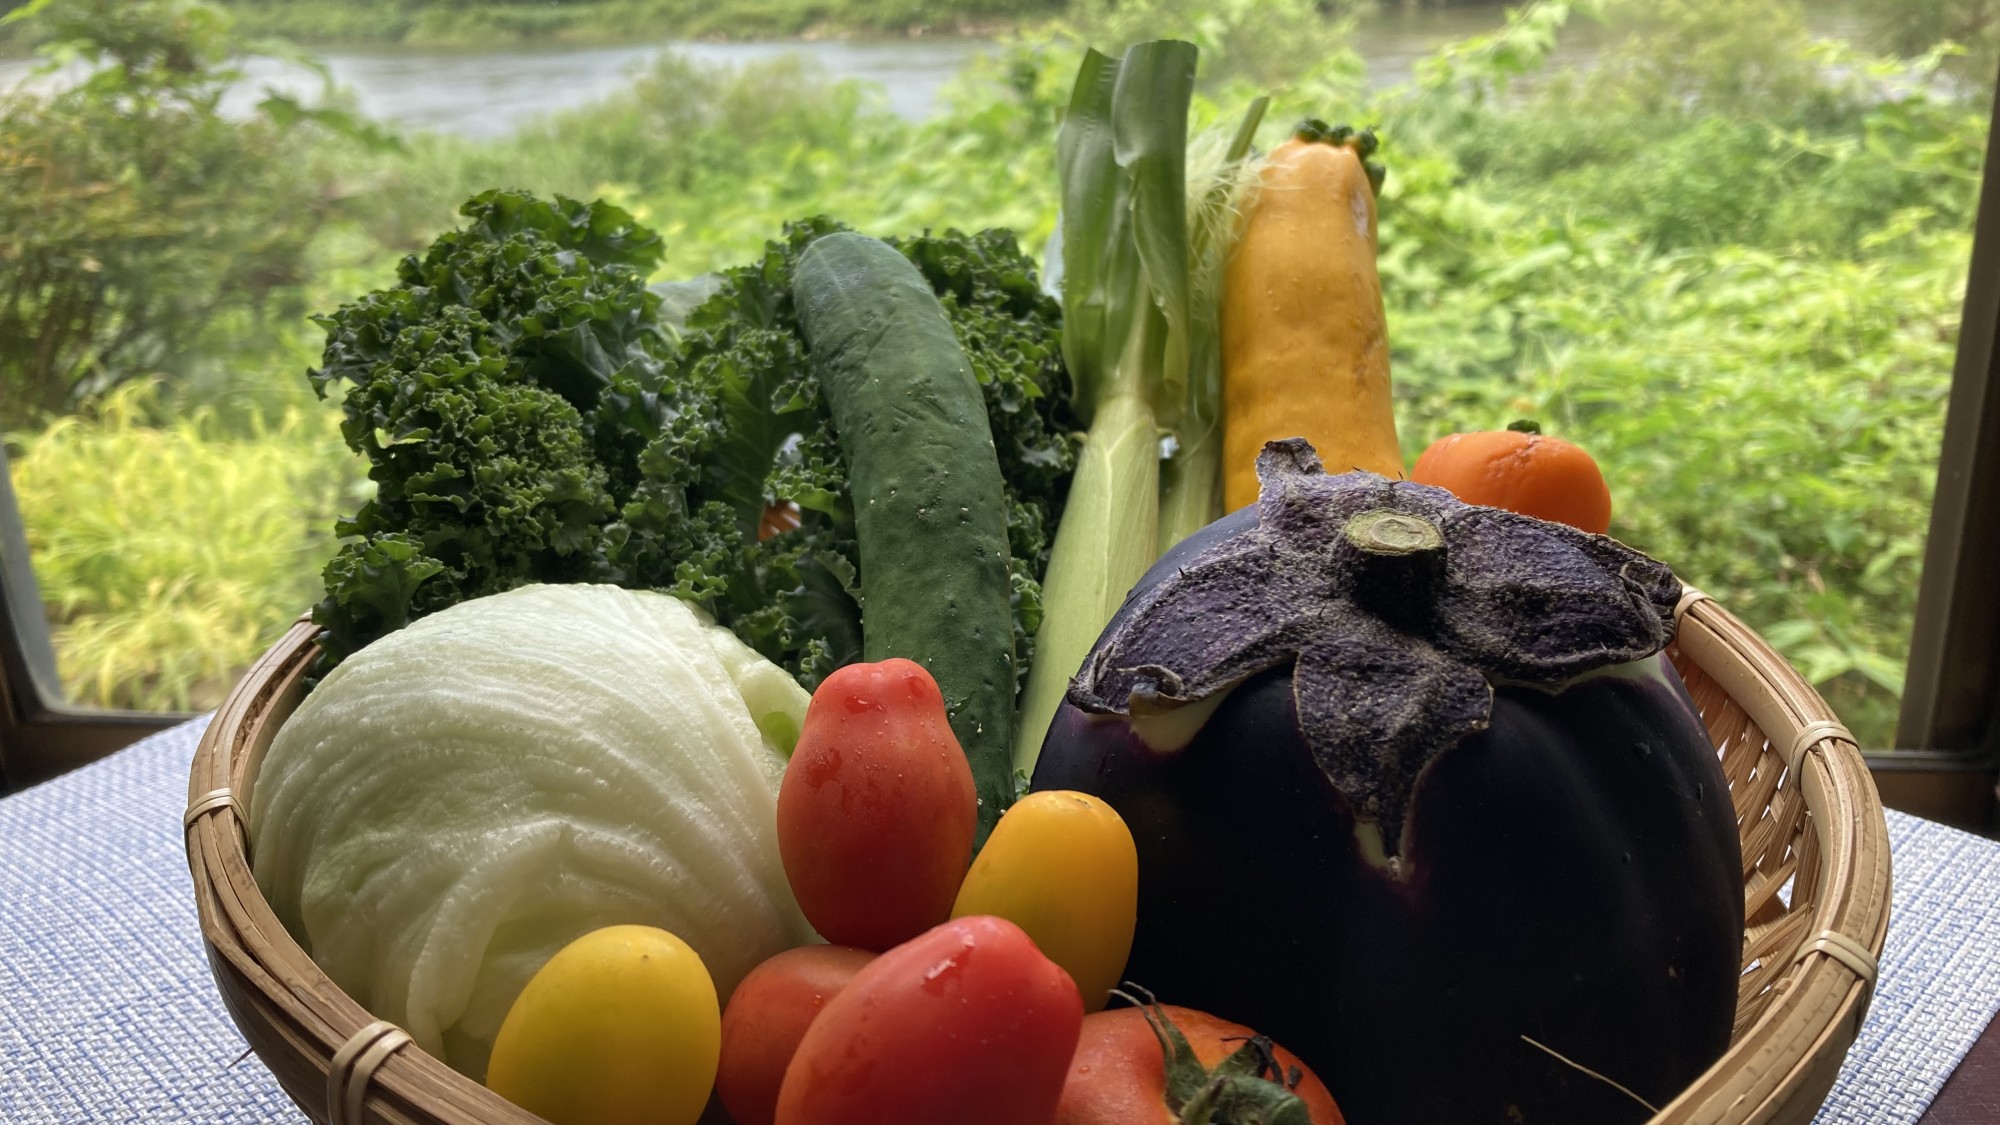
529,416
499,392
751,427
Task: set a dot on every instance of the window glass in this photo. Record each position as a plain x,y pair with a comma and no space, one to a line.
1719,243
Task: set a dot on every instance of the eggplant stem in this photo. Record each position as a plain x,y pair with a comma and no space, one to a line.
1385,531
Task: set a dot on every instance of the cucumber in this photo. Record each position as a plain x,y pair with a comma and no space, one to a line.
929,504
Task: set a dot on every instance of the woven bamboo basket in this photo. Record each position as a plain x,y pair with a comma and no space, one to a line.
1815,887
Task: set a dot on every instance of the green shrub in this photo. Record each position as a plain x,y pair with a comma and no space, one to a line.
503,21
170,556
1751,324
1769,424
133,216
1721,57
1743,297
1913,27
716,158
1818,171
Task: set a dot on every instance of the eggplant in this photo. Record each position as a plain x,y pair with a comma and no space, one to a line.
1416,794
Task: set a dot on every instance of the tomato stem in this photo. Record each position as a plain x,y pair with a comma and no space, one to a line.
1247,1088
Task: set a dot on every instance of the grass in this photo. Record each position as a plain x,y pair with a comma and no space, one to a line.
213,546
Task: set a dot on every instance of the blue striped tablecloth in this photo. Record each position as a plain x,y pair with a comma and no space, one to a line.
108,1014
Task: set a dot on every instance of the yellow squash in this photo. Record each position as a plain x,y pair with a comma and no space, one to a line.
1305,344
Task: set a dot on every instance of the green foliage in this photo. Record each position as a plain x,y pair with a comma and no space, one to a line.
715,158
143,233
1715,180
170,556
1731,266
470,22
1768,423
494,392
1748,318
1266,42
1913,27
1709,57
530,418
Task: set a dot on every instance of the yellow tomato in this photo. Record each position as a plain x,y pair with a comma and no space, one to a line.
1061,865
621,1027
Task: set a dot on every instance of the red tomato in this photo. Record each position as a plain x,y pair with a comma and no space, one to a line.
876,811
767,1016
967,1024
1119,1075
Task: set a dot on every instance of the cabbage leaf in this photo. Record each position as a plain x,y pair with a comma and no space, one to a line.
462,798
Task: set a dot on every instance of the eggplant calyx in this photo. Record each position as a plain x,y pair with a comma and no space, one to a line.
1397,609
1247,1088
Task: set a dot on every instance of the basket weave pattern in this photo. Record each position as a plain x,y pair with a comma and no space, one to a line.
1815,885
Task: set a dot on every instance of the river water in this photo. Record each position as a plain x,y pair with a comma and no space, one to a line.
492,91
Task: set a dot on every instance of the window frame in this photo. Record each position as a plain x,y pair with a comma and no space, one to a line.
1948,730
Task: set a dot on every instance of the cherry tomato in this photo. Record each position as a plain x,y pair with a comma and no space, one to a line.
1119,1074
620,1027
1061,865
967,1024
876,811
767,1016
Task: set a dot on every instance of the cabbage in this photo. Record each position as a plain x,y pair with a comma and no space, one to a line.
463,797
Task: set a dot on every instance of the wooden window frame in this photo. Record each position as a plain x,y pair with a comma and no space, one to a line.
1948,732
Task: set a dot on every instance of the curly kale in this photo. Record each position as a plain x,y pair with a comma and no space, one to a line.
529,416
749,428
501,392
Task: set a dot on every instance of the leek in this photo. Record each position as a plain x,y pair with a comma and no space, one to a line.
1191,489
1122,157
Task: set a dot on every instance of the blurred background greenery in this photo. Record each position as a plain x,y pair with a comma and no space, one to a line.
1718,246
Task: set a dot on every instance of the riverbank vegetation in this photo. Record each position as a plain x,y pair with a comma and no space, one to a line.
484,23
1729,262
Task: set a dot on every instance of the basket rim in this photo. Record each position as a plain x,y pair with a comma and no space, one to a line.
310,1013
1821,999
1787,1058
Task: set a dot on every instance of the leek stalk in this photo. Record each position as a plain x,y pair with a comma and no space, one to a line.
1191,489
1122,154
